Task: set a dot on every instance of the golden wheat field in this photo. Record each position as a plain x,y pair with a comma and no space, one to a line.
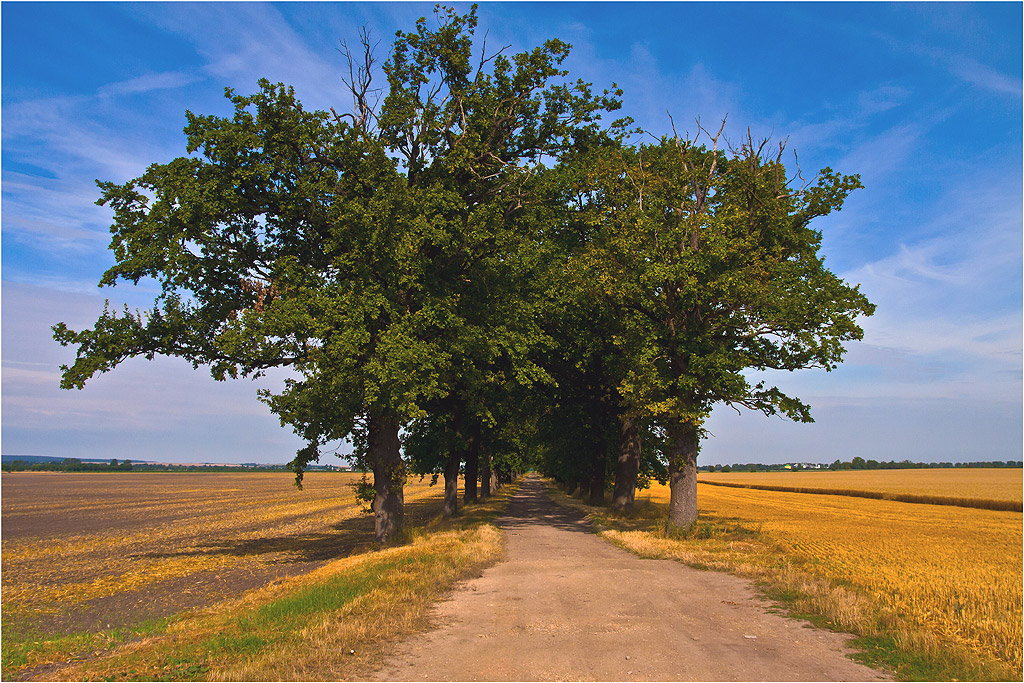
983,483
953,571
84,552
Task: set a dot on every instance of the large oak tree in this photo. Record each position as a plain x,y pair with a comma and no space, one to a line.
362,250
713,257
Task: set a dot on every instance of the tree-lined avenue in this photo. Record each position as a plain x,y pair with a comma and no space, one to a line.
565,605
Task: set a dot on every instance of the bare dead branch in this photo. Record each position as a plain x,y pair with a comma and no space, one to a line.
484,59
359,82
675,135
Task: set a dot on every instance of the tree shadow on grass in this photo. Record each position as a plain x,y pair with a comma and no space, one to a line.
341,540
652,517
262,559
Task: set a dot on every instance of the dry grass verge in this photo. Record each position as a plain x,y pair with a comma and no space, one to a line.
889,634
334,623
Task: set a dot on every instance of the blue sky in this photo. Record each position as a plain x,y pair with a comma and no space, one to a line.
923,100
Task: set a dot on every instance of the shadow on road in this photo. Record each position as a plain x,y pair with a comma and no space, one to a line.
531,506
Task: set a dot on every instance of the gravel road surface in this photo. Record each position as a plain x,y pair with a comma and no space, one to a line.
565,605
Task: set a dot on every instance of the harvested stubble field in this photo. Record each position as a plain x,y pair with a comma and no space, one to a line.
953,574
96,552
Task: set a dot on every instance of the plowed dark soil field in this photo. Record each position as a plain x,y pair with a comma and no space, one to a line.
86,552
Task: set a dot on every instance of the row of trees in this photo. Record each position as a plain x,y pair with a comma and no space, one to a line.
859,463
67,465
470,263
76,465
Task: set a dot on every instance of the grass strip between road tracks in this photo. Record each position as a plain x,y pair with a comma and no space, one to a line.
883,638
335,623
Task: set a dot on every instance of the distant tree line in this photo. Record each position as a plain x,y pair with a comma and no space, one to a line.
76,465
228,468
68,465
859,463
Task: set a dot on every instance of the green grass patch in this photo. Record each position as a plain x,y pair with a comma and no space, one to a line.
24,646
886,652
329,595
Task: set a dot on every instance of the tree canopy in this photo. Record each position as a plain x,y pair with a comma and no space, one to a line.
476,263
711,261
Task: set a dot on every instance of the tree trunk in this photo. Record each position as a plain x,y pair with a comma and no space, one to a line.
388,476
598,467
627,466
683,445
472,466
485,475
451,484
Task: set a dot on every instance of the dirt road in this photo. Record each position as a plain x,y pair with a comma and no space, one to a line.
566,605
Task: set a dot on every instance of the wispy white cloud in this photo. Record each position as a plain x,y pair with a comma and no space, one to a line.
964,68
847,136
917,265
972,241
984,76
948,287
243,42
949,314
149,83
657,93
72,140
141,400
878,157
59,213
21,373
997,339
67,135
881,99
